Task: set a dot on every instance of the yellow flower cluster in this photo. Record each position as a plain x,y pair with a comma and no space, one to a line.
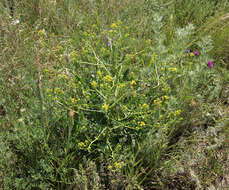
108,78
81,144
73,54
157,102
173,69
58,91
116,166
105,107
103,50
99,73
70,41
85,34
94,83
72,100
46,71
84,145
149,41
114,25
127,35
62,76
48,90
124,107
133,82
177,113
129,56
41,33
118,147
144,106
165,97
141,123
122,85
192,54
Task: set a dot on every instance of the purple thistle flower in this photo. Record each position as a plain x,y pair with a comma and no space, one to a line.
108,43
210,64
196,53
105,37
188,50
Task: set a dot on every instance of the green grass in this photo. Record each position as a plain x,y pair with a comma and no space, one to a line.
103,95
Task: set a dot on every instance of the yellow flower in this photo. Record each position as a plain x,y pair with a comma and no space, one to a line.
46,70
119,147
122,85
48,90
81,144
94,84
145,106
60,76
124,108
58,90
41,32
85,33
149,41
99,73
142,123
119,22
103,49
117,165
192,54
174,69
177,112
113,25
105,107
73,100
157,102
126,35
133,82
73,54
108,78
165,97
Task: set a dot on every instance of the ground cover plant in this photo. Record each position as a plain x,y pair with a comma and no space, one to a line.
113,95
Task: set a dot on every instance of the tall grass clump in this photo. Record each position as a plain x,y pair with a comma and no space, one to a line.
198,12
108,95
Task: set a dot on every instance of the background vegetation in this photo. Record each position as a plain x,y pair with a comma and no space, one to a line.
107,94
